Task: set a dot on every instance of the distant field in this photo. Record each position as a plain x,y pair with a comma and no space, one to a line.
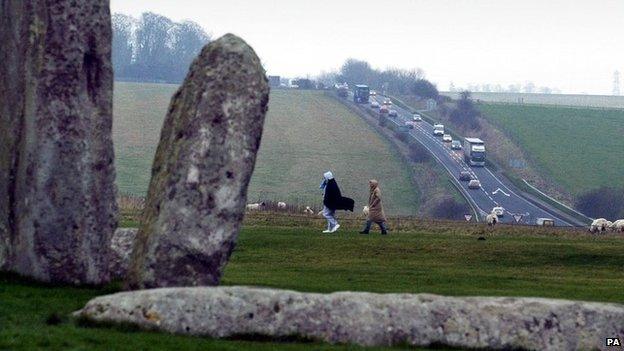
138,113
305,134
580,148
549,99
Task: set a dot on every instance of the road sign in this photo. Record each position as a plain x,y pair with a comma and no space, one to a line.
501,190
468,217
517,217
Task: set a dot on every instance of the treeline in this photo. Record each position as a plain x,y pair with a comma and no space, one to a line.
393,81
153,48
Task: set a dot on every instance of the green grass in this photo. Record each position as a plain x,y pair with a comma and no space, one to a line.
443,259
305,134
578,148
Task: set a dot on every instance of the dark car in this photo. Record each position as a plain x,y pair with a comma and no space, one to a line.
465,176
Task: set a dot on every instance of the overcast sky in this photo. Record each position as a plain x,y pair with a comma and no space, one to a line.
574,46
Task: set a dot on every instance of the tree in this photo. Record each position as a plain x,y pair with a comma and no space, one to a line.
425,89
393,80
154,48
465,113
123,42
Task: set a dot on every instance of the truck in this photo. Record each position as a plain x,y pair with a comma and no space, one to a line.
342,89
438,129
361,93
474,152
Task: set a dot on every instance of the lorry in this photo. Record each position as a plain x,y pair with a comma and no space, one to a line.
342,89
474,152
438,129
361,93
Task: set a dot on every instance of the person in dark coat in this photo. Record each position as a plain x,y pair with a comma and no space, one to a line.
333,201
376,212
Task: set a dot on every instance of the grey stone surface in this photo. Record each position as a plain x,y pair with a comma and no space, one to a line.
57,193
121,249
203,164
365,318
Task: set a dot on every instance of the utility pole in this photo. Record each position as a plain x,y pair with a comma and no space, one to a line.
616,83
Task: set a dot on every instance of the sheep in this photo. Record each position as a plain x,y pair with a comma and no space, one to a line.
365,210
281,205
255,206
599,225
618,225
308,210
491,219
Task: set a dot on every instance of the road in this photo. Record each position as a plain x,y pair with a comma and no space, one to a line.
494,190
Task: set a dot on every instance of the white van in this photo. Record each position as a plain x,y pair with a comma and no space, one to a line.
438,129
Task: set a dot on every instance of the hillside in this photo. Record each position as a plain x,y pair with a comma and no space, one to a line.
305,134
578,148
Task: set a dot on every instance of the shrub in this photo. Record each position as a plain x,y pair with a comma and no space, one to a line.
603,202
401,135
418,153
448,208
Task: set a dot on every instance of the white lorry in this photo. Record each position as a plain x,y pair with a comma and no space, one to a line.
474,152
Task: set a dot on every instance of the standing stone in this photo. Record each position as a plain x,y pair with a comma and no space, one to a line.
57,194
203,164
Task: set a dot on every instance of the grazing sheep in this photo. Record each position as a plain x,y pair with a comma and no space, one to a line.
618,225
491,219
256,206
281,205
365,210
599,225
308,210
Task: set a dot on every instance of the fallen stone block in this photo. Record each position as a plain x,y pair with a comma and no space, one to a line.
365,318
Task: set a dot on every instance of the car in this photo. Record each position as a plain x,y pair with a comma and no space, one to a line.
409,124
456,145
465,176
545,222
447,138
499,211
393,113
373,93
383,110
374,104
387,102
416,118
474,184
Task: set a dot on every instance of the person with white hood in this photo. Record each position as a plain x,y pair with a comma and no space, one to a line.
332,201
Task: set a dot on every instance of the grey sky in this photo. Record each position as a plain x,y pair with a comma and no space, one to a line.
573,45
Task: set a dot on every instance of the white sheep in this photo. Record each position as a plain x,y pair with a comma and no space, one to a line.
281,205
255,206
599,225
618,225
308,210
365,210
491,219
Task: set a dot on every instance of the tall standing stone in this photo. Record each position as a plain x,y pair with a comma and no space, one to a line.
203,164
57,194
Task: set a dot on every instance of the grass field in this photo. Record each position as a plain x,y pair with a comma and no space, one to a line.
578,148
549,99
443,259
305,134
